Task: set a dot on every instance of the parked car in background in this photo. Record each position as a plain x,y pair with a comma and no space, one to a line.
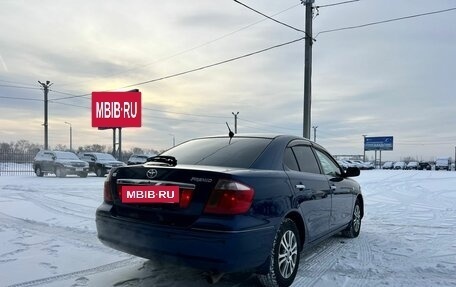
400,165
388,165
138,158
369,165
363,165
443,163
412,165
342,164
100,163
248,202
424,166
59,163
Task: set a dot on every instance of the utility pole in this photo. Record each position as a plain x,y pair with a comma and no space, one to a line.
235,121
315,133
308,69
71,136
46,91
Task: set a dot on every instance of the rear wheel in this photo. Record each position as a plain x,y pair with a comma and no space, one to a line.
284,260
82,174
38,171
99,172
354,227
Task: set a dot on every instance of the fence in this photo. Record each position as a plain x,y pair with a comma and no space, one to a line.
16,163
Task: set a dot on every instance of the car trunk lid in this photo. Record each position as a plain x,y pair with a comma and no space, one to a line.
194,185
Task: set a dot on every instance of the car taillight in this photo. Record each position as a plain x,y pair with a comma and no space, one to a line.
229,197
185,197
107,196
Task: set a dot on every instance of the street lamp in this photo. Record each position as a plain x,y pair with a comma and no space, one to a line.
174,140
71,136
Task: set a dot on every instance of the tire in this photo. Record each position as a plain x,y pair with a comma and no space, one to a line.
59,172
354,227
99,172
38,171
82,174
284,259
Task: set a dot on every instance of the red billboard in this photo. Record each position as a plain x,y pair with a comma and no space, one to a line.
116,109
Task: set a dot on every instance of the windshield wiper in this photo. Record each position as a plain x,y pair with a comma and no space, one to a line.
168,160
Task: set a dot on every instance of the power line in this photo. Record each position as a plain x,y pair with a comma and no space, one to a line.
65,93
151,109
17,83
71,105
186,120
270,18
19,87
193,70
385,21
187,114
263,124
20,98
194,47
213,65
335,4
70,97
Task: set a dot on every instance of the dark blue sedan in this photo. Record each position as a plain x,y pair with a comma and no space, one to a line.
228,204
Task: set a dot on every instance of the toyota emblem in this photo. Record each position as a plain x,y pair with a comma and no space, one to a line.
151,173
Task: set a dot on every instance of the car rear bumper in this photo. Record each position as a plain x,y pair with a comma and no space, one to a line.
212,250
75,170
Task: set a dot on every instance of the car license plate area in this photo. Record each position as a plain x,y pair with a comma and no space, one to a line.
149,194
79,169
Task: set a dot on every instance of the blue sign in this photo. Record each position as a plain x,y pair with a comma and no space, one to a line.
378,143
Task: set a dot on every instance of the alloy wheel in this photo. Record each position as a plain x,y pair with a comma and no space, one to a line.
288,253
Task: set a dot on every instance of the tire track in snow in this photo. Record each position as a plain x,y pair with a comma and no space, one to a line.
68,234
56,206
366,257
85,272
314,264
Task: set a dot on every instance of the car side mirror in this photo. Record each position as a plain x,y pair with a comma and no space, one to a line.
351,171
54,157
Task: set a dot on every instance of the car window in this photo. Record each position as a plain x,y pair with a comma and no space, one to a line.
289,159
237,152
306,159
328,165
65,155
47,156
105,156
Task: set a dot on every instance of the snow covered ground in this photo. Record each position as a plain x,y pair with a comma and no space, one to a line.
408,238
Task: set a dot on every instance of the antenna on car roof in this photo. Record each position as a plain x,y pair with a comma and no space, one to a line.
230,134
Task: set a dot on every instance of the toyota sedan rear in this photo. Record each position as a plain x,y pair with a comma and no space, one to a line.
228,204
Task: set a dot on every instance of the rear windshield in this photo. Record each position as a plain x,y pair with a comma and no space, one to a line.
65,155
240,152
105,156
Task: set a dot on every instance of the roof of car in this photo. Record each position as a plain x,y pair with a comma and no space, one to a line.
257,135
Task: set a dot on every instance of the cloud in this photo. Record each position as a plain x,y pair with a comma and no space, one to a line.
3,63
393,79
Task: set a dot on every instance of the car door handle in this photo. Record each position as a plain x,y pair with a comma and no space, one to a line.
300,186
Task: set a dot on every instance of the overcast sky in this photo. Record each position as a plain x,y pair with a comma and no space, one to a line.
392,79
